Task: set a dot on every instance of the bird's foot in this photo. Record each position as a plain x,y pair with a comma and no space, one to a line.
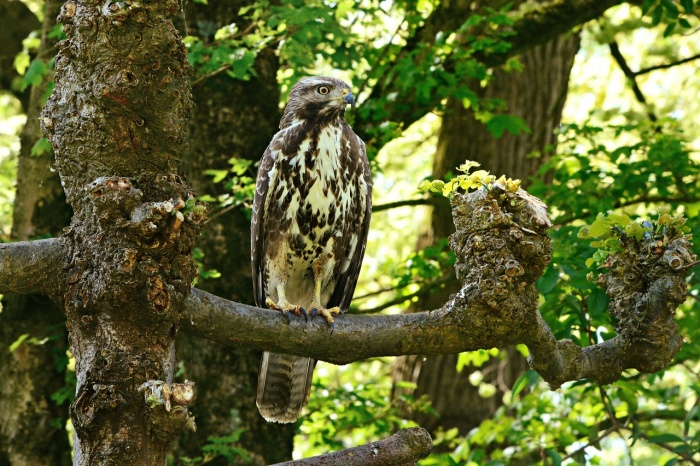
327,314
286,307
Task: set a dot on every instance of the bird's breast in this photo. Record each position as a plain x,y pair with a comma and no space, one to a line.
318,195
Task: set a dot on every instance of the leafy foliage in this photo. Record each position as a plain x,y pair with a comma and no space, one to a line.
358,411
467,181
613,232
226,447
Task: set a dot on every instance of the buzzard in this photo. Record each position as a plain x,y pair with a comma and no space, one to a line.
311,213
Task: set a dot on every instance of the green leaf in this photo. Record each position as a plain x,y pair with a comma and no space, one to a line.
665,438
344,7
218,175
16,344
34,75
692,414
687,6
515,125
554,456
671,8
548,281
669,29
527,379
242,67
424,185
57,33
684,23
600,227
619,219
41,147
597,302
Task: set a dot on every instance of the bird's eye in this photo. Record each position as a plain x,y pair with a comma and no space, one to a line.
323,90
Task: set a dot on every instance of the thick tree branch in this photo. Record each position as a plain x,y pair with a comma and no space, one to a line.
406,446
537,24
215,318
33,267
502,248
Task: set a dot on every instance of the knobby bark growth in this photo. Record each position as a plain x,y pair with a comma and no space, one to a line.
117,122
536,94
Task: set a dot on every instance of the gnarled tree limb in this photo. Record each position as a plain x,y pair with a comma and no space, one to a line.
502,248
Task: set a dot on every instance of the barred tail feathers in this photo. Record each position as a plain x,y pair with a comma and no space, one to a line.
284,385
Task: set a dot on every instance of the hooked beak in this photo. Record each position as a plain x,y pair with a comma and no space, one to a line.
349,99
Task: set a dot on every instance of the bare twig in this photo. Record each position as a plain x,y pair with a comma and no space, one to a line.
666,65
427,288
407,202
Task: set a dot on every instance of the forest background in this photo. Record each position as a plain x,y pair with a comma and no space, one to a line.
596,112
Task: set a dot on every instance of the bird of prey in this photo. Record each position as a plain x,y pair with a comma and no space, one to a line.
311,214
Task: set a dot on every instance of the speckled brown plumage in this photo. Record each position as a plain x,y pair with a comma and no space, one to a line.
309,227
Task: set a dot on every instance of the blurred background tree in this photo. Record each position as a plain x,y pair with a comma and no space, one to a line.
592,105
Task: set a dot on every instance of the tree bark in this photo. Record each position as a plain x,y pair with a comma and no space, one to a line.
117,121
32,424
537,95
231,118
405,447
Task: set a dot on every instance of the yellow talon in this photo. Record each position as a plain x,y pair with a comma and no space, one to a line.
328,313
284,306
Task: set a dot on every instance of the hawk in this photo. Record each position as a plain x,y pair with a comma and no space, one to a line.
311,214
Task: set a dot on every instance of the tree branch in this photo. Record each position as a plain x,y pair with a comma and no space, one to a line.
546,20
631,77
407,203
502,248
404,447
667,65
33,267
236,324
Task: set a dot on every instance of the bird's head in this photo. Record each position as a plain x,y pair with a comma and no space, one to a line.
317,98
